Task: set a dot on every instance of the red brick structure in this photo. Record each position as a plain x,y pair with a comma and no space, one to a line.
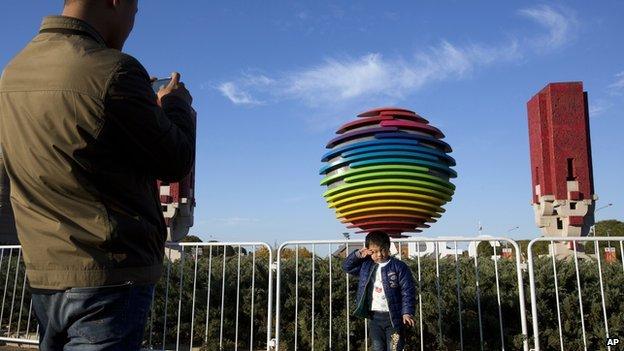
561,163
178,203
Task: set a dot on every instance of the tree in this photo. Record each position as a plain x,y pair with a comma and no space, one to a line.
610,227
539,248
484,249
290,253
191,239
262,252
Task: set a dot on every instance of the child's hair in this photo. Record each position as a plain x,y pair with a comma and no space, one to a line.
378,238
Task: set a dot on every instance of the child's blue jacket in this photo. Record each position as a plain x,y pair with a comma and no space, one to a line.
397,281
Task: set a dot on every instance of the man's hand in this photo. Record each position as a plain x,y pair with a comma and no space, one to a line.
365,252
176,88
407,319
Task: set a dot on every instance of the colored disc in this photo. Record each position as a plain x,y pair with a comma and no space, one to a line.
389,170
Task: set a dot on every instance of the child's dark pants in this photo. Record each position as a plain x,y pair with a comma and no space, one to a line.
383,336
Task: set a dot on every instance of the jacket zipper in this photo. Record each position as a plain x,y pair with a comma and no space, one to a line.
389,309
365,288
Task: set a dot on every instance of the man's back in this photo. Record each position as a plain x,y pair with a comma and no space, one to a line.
84,142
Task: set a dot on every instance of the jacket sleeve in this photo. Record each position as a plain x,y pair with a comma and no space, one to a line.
353,263
161,140
4,184
408,291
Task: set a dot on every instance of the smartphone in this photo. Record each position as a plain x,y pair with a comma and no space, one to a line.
160,83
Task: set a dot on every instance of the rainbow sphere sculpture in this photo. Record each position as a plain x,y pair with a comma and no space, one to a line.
388,170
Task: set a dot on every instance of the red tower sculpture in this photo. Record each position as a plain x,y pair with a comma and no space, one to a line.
177,201
561,163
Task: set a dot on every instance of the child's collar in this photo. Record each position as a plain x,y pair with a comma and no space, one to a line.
386,261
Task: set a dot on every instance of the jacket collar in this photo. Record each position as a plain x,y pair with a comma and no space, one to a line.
51,23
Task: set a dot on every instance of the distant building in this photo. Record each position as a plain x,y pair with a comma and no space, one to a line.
415,249
408,250
342,249
424,248
427,248
173,253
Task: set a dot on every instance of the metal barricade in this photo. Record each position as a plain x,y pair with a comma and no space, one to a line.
214,295
575,288
17,320
314,296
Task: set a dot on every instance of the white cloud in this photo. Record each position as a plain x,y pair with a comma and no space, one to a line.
257,79
236,95
338,80
617,86
375,77
371,75
560,24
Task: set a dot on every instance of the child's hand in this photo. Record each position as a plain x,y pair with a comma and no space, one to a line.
407,319
365,252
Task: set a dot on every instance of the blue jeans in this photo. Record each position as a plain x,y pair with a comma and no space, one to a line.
93,319
383,336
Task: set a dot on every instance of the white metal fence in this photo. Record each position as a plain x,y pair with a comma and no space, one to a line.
215,295
197,303
221,296
576,286
315,296
17,320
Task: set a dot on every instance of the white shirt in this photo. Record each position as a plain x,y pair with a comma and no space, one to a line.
379,302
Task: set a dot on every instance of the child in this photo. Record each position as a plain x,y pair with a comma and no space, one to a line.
385,292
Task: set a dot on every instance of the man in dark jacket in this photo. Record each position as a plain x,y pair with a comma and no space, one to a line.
386,292
84,139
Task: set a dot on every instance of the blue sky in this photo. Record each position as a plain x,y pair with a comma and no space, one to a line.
272,80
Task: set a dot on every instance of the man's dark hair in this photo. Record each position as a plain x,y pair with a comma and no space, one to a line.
378,238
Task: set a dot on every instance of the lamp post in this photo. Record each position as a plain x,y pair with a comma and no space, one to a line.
603,207
593,229
512,229
509,231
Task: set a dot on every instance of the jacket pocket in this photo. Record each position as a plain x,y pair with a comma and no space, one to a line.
96,289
